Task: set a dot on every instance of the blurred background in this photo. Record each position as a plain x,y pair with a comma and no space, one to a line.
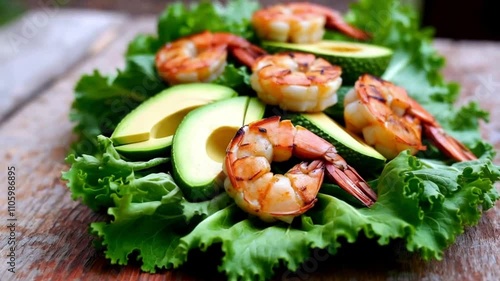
456,19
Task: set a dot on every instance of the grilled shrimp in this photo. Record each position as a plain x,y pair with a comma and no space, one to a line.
301,23
296,81
392,121
201,57
269,196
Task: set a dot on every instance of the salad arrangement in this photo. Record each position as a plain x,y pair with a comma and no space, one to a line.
423,200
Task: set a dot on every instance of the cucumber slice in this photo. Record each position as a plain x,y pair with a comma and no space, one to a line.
357,153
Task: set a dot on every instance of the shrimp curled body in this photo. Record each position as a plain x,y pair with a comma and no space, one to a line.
296,81
300,23
269,196
391,121
201,57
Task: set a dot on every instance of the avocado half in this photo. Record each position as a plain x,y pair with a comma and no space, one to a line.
200,142
148,130
355,59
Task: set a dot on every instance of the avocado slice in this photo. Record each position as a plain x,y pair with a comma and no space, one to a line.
355,59
147,131
358,154
200,142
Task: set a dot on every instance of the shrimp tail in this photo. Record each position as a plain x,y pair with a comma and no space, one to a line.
334,20
247,55
349,180
447,144
310,146
450,146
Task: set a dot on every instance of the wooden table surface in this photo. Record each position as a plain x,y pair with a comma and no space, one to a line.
44,53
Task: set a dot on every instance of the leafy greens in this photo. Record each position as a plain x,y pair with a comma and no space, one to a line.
424,203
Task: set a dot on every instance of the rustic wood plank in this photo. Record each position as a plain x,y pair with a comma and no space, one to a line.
472,64
35,140
52,237
42,45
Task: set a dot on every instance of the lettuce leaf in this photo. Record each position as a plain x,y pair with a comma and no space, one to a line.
150,229
142,202
149,209
94,179
179,21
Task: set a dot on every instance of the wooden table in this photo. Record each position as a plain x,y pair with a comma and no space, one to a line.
38,73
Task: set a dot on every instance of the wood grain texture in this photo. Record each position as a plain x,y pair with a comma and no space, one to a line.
42,45
53,243
472,64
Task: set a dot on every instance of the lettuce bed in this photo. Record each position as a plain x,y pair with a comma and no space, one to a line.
423,201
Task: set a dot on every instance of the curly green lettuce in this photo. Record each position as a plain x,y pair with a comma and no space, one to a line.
94,179
425,203
150,227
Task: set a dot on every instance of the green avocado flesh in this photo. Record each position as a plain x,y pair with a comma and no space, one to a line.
200,142
148,130
357,153
355,59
